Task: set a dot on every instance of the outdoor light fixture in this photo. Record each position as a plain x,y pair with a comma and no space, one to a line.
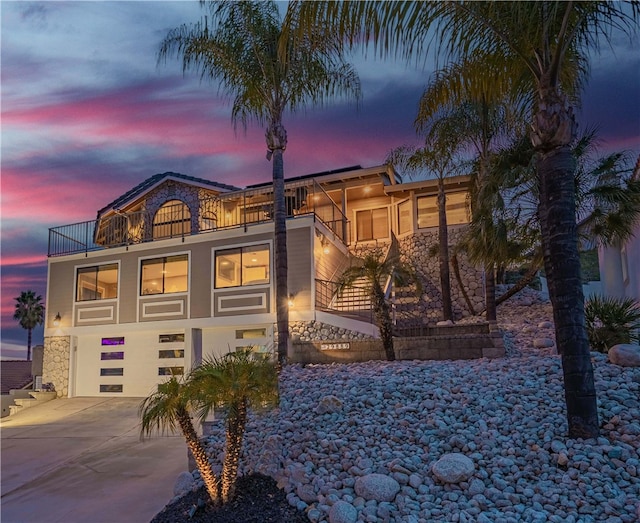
56,320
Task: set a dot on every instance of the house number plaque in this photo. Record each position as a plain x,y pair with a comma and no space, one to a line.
335,346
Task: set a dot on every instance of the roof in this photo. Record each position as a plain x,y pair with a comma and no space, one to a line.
14,374
355,171
155,180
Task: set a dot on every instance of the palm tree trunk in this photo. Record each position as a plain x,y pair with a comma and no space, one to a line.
199,455
526,279
276,142
556,210
490,292
235,431
383,320
456,273
28,344
443,235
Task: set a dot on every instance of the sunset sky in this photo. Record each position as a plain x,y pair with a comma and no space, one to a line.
87,114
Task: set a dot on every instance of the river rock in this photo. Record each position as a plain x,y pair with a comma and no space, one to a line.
377,486
343,512
453,468
184,483
625,355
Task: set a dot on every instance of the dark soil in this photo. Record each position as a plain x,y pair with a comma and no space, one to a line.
258,500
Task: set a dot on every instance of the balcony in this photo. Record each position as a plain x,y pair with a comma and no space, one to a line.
226,211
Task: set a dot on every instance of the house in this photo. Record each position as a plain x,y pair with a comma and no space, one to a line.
620,264
180,267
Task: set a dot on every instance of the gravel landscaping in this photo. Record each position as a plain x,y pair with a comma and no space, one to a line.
451,441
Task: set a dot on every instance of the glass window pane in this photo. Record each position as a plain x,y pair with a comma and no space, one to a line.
112,355
176,271
380,219
170,353
255,265
227,268
404,217
151,277
86,285
170,371
108,281
457,208
427,212
364,227
112,371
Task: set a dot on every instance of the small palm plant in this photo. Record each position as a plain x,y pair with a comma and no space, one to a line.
375,269
170,408
234,383
611,321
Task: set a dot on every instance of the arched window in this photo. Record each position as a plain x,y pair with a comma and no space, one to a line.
172,219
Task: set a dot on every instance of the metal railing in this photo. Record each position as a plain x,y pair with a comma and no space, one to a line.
229,210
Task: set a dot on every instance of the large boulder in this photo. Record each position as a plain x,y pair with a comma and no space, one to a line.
453,468
625,355
377,486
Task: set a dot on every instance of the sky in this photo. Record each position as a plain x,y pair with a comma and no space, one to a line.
88,113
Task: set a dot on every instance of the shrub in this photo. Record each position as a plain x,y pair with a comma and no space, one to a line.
611,321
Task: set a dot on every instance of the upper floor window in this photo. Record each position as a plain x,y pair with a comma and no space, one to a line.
165,275
97,283
457,208
242,266
372,224
172,219
404,217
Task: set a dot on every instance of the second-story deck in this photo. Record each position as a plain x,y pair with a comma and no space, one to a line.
229,210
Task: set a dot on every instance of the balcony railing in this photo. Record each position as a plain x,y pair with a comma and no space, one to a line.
236,209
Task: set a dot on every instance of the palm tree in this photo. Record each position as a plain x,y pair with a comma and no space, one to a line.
266,71
234,383
169,409
544,48
375,269
437,158
29,312
481,120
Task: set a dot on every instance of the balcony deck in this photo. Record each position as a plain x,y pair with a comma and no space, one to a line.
226,211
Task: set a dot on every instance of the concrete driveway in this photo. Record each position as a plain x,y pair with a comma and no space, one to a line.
80,460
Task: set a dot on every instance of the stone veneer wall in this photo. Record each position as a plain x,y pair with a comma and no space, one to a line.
55,364
415,251
191,196
319,331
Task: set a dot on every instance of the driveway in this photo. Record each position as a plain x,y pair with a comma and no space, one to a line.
81,460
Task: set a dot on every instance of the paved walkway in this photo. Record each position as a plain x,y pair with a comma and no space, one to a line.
80,460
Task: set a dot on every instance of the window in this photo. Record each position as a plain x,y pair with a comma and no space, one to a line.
457,209
171,338
118,340
372,224
171,353
112,371
172,219
112,355
110,388
97,283
242,266
247,334
404,217
165,275
170,371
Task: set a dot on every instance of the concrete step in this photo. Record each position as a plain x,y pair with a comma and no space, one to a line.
36,398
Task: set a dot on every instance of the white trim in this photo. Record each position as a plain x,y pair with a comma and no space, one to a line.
145,314
142,297
80,310
261,295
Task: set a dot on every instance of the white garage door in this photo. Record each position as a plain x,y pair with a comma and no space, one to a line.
131,365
